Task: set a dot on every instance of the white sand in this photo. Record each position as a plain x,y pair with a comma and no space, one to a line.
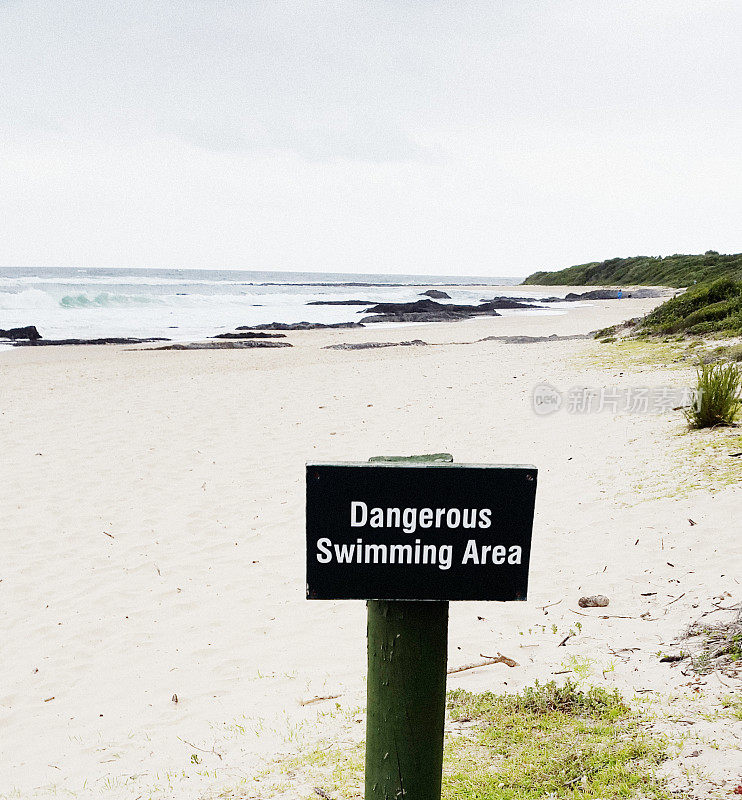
152,541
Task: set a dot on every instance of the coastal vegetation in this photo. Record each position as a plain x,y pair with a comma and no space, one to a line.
710,307
717,396
551,741
676,270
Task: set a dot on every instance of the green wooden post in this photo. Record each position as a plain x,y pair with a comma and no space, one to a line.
406,692
407,649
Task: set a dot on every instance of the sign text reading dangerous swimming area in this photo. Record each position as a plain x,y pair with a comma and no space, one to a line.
423,531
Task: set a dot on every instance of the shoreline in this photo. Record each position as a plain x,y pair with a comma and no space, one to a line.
549,307
154,534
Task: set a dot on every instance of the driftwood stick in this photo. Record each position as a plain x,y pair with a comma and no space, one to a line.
501,659
601,616
498,659
469,666
721,608
196,747
318,699
675,600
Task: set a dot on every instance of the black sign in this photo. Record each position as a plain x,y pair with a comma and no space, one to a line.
419,531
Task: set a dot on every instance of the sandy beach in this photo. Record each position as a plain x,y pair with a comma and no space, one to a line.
152,545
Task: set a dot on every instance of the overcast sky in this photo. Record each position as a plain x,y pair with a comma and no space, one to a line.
490,138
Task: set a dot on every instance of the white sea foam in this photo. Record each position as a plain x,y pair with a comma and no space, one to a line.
27,299
65,303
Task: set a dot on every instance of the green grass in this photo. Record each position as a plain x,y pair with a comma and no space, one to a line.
532,745
629,353
675,270
717,402
711,307
551,742
733,706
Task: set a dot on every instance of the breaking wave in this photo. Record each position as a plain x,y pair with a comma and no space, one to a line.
106,300
31,299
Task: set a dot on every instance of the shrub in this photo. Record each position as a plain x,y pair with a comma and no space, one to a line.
717,400
703,309
675,270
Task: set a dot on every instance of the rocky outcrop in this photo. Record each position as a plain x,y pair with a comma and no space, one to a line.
531,302
420,306
502,301
106,340
509,302
436,294
341,302
422,316
373,345
429,311
615,294
416,307
298,326
536,339
241,345
250,335
29,332
594,294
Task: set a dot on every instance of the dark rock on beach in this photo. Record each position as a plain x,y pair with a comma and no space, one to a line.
614,294
29,332
420,306
509,302
536,339
593,601
250,335
515,302
416,307
106,340
428,311
422,316
531,302
594,294
436,294
373,345
298,326
241,345
341,302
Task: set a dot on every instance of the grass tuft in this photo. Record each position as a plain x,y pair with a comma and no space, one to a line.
717,400
551,742
733,705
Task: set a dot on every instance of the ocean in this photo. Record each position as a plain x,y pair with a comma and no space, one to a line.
195,304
